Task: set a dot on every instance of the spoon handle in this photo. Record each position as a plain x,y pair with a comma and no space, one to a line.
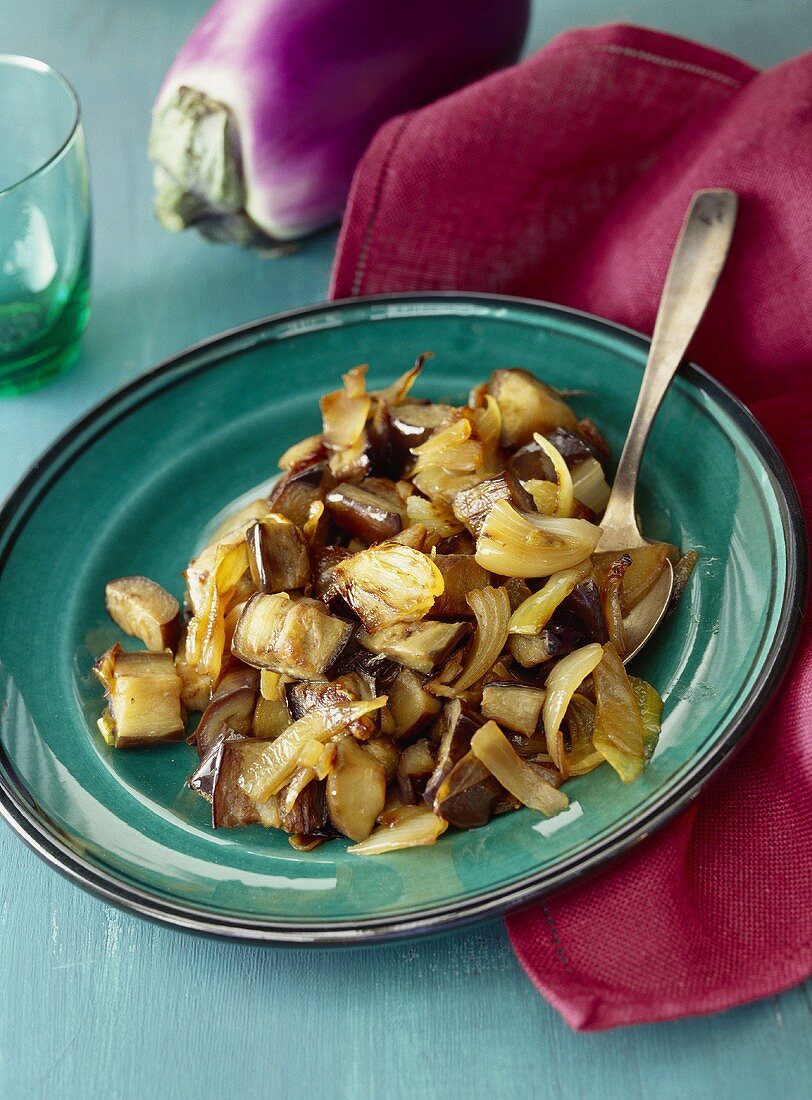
695,266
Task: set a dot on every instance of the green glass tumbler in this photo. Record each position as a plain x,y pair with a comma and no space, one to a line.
44,225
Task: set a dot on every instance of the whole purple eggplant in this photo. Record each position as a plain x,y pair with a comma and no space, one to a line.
270,104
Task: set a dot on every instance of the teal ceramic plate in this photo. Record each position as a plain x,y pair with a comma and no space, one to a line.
128,489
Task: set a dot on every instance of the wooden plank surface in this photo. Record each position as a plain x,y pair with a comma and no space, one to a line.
96,1003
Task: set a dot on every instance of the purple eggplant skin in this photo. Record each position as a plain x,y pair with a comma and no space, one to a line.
232,705
297,490
584,602
270,104
457,726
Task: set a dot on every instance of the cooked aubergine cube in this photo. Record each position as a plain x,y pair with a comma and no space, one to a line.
232,705
513,705
356,790
467,796
553,641
278,555
412,424
372,511
461,574
145,610
350,688
584,602
531,463
457,726
415,768
144,704
296,637
527,406
424,646
231,805
323,560
308,814
472,506
386,752
411,706
296,491
204,779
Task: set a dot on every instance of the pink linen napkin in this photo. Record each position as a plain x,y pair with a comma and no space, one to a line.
566,178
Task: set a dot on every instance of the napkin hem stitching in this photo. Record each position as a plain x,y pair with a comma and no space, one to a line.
672,63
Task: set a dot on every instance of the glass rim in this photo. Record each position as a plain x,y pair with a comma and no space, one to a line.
34,65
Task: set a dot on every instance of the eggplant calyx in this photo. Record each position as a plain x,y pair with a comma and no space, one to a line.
195,146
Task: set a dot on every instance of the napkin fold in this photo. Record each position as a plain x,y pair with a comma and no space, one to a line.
566,178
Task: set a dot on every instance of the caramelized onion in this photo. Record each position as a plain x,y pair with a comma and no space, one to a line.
271,769
388,584
523,781
564,499
516,544
562,683
491,606
530,616
618,732
415,827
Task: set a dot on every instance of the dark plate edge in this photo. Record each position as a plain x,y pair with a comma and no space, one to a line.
442,918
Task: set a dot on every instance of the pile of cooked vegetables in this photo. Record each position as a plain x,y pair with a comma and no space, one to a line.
413,630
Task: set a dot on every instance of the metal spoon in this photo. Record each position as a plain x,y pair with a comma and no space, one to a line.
695,266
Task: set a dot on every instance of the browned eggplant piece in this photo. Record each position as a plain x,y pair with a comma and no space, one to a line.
461,575
204,779
513,705
296,491
303,697
278,555
378,671
462,543
373,510
573,447
413,423
472,506
232,705
356,790
308,815
531,463
589,431
145,610
415,768
411,706
527,406
385,457
456,727
296,637
423,646
386,753
584,602
323,560
231,806
518,591
468,795
144,698
555,640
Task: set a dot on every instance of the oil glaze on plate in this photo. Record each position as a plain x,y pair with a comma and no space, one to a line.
128,489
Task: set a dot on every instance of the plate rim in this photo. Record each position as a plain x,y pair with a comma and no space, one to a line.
108,886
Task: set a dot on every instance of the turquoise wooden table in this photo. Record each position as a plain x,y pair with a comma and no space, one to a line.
96,1003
